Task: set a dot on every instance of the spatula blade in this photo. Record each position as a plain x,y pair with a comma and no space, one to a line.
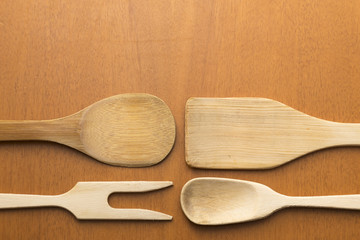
250,133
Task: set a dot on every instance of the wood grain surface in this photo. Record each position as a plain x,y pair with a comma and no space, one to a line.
57,57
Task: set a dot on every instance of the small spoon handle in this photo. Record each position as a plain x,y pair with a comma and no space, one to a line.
9,200
334,201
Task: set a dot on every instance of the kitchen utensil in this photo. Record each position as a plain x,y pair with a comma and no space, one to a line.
217,201
89,200
253,133
132,130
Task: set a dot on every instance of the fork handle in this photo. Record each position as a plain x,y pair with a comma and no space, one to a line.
333,201
9,200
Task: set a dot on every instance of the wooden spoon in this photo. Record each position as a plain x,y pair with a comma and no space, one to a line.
218,201
251,133
132,130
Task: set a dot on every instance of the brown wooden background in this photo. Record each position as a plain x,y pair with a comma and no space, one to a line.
59,56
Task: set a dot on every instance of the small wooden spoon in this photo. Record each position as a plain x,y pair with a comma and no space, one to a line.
132,130
218,201
256,133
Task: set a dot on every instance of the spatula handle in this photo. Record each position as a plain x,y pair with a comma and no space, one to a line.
8,200
334,201
345,134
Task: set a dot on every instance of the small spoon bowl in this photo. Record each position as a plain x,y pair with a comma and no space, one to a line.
218,201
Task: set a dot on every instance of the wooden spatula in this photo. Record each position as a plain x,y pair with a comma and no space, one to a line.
89,200
251,133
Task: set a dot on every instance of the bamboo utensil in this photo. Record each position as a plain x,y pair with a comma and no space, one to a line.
132,130
89,200
252,133
217,201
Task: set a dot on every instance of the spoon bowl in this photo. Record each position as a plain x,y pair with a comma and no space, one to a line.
132,130
218,201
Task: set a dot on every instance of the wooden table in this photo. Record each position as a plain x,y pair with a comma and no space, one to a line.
57,57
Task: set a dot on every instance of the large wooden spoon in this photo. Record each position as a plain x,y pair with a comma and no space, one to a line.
132,130
217,201
250,133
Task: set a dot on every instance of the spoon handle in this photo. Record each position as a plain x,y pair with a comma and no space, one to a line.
24,130
9,200
333,201
57,130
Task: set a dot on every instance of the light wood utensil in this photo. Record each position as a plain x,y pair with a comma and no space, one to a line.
89,200
218,201
132,130
251,133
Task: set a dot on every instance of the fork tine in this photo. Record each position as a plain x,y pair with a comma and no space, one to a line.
124,186
126,214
